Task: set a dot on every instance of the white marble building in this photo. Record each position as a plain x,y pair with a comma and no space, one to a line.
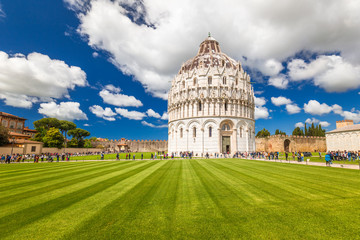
346,136
211,105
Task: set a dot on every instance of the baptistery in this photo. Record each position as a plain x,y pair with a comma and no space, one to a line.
211,105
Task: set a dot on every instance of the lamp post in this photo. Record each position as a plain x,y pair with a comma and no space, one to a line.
12,145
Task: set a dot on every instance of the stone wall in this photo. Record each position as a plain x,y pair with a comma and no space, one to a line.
134,145
280,143
71,150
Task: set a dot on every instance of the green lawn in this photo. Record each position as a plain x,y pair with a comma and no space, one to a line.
146,155
182,199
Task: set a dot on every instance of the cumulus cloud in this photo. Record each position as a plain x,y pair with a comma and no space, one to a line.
95,54
279,81
300,125
111,95
106,113
260,110
324,124
292,108
315,108
153,125
65,111
165,116
134,115
312,120
259,101
150,39
36,77
278,101
152,113
332,73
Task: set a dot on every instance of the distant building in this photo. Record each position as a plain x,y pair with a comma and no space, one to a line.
346,136
211,105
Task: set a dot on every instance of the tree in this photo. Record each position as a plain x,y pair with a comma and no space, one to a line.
79,135
263,133
278,132
43,125
64,127
73,143
4,135
88,143
298,132
53,138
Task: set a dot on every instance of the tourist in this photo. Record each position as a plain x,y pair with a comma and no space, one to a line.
117,156
328,159
142,156
133,156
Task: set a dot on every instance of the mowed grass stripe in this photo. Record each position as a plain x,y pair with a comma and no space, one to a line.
26,216
308,183
65,181
53,168
124,210
43,177
20,205
62,223
283,184
29,168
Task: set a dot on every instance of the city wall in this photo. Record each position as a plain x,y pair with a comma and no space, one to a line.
281,143
133,145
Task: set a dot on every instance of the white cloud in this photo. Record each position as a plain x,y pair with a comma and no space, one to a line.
95,54
135,115
106,113
259,101
111,95
279,81
152,113
278,101
312,120
315,108
87,125
2,13
65,111
153,126
150,39
324,124
332,73
292,108
261,92
261,112
165,116
36,78
300,125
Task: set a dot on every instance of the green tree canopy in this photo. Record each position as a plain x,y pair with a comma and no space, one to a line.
47,123
298,132
79,134
53,138
64,127
4,135
278,132
263,133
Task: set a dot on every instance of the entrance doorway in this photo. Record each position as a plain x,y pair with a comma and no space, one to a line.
226,144
287,145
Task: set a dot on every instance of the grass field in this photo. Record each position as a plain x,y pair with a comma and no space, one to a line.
198,199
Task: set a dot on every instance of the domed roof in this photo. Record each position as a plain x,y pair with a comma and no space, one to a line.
209,54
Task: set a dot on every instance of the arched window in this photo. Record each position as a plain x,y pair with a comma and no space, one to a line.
194,132
199,108
241,132
210,131
222,63
226,106
209,80
183,84
181,132
237,81
224,80
195,81
225,127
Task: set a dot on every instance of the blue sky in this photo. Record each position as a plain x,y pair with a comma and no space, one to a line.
107,65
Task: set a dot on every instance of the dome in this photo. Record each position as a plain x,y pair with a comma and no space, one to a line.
210,55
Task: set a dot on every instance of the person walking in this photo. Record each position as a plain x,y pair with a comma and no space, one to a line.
328,159
133,156
142,156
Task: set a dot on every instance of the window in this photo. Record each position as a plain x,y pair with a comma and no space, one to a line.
237,81
241,132
12,124
19,126
195,81
224,80
183,84
210,131
226,106
209,80
4,123
194,132
225,127
200,106
222,63
33,148
181,132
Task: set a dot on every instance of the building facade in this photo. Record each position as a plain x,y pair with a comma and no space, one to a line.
346,136
211,105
